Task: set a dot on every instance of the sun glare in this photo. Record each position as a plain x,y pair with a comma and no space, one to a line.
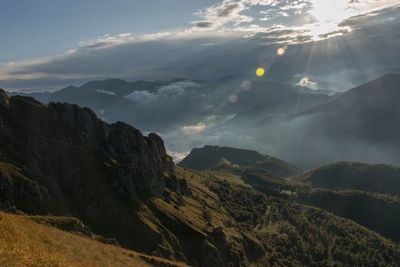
328,14
330,11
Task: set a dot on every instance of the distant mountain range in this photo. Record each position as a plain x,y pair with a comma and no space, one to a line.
282,120
358,125
367,113
62,160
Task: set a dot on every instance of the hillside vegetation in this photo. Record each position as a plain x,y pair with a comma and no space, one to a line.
250,227
357,176
378,212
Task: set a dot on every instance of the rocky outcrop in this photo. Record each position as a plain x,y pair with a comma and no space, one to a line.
4,103
4,100
61,159
16,190
144,158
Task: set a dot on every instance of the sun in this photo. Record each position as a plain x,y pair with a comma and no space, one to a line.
328,15
330,11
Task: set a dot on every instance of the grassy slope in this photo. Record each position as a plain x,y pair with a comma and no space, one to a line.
26,243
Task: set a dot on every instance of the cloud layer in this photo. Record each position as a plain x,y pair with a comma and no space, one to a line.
233,37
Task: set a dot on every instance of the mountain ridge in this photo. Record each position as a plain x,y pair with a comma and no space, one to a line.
206,157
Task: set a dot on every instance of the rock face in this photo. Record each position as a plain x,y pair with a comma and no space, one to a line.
61,159
145,158
4,101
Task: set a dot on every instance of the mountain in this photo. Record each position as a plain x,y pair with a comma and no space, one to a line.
169,107
101,94
112,99
379,178
268,99
142,103
284,120
357,125
116,99
363,119
61,160
377,94
209,156
40,96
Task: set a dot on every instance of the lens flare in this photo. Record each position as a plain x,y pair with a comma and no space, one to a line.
260,72
246,85
233,99
281,51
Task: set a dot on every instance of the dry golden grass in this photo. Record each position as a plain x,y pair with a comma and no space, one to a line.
26,243
192,210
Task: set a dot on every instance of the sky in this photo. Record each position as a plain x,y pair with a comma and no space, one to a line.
39,28
48,44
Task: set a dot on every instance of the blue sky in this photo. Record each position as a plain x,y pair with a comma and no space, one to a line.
48,44
42,27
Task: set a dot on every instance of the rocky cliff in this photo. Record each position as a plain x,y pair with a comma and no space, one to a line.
61,159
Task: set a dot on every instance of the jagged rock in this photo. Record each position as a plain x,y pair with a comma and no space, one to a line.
144,158
4,101
15,189
61,159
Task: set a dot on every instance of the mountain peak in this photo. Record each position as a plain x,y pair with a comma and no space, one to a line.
209,156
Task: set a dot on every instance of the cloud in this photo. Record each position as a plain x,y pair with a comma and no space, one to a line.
141,97
194,129
166,92
234,50
318,19
306,82
203,24
105,92
177,88
107,40
228,11
207,130
177,156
